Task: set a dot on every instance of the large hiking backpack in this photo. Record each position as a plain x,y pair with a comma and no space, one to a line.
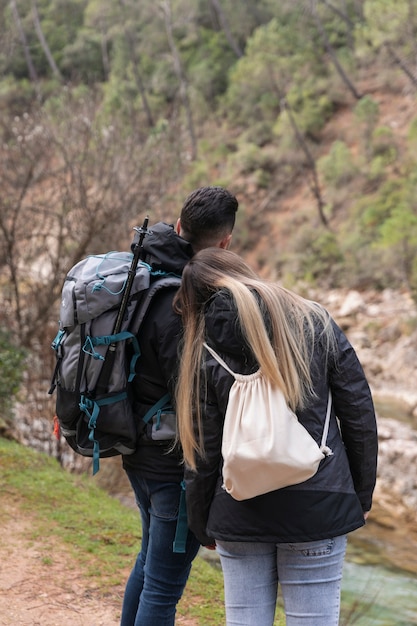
105,298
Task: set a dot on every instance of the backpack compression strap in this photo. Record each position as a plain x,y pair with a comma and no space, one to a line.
181,533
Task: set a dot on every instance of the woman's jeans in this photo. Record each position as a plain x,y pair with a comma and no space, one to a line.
159,575
309,574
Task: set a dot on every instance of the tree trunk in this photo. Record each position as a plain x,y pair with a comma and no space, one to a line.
138,79
225,27
31,68
43,42
342,14
332,53
394,56
104,53
314,182
129,35
166,8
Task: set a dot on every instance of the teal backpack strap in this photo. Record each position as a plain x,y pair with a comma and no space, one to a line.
180,539
92,410
158,406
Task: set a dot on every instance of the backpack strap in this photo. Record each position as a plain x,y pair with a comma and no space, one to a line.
323,445
219,359
181,533
163,403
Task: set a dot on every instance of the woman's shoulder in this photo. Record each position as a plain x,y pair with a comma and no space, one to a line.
221,319
224,333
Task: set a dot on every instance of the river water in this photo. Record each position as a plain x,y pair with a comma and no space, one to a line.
374,595
376,592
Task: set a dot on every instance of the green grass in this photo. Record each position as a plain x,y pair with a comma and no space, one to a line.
101,534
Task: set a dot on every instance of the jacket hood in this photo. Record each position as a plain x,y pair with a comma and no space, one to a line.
165,250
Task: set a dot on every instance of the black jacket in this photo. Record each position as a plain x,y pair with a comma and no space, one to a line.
329,504
158,341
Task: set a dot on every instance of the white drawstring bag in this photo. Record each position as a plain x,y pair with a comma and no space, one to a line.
264,445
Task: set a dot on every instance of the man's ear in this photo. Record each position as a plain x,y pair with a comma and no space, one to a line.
225,242
178,226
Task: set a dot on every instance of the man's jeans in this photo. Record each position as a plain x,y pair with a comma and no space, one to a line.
159,575
309,574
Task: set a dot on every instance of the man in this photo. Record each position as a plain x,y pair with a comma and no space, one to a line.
155,470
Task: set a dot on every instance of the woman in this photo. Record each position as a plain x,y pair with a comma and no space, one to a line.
295,536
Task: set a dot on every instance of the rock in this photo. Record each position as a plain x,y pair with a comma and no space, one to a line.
352,304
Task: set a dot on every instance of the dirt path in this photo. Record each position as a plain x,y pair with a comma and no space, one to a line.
41,586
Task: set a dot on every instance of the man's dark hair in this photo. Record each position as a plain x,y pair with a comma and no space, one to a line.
207,216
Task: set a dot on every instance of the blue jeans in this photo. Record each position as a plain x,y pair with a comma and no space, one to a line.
159,575
309,574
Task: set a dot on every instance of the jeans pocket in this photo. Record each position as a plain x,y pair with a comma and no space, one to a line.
322,547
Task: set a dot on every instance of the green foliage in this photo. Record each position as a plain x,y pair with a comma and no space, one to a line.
412,138
400,227
399,234
197,175
12,368
259,133
383,144
382,235
312,108
82,59
16,96
319,258
249,158
386,20
60,22
117,135
208,63
366,113
364,267
277,56
376,170
413,279
337,168
378,209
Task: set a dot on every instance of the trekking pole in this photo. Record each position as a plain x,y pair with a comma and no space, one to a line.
137,249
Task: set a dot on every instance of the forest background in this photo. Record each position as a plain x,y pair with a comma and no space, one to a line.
111,110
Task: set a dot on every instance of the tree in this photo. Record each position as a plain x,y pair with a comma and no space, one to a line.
12,361
72,183
130,38
399,233
392,27
226,29
313,178
22,36
43,42
331,51
165,6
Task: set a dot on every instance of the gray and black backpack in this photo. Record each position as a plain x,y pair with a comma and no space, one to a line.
105,298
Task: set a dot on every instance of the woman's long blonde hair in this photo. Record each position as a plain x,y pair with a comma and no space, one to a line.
284,354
